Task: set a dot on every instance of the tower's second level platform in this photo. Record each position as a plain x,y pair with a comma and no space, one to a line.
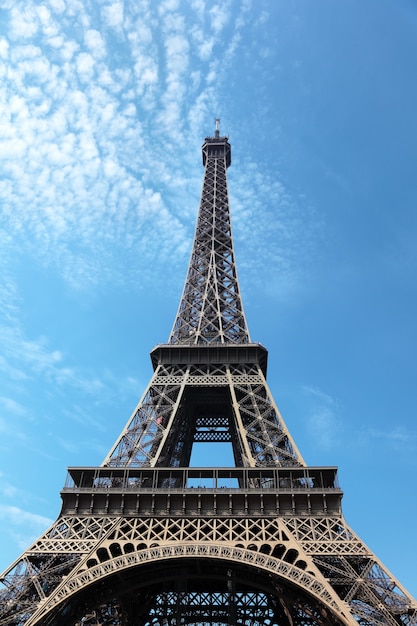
210,354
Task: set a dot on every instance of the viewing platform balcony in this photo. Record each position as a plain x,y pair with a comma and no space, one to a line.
201,491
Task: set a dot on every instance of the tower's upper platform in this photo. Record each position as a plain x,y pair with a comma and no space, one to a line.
217,147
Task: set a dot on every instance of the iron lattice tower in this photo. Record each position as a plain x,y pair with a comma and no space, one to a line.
145,539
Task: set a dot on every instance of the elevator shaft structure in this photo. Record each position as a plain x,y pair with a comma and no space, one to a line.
147,540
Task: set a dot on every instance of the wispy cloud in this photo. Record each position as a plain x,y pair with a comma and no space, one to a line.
323,421
11,406
278,231
77,104
7,490
24,526
398,437
327,428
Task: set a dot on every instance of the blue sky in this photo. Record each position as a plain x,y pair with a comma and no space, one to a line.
104,107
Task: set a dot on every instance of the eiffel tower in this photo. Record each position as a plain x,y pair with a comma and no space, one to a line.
147,540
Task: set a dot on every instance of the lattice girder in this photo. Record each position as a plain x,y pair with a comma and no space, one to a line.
160,432
145,540
210,308
163,557
319,553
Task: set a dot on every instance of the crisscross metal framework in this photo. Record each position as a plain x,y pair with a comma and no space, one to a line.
211,308
146,540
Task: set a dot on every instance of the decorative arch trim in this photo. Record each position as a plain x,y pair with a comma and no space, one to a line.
270,564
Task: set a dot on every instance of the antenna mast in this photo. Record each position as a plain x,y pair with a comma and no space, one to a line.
217,130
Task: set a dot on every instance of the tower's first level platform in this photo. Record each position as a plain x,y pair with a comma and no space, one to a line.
202,491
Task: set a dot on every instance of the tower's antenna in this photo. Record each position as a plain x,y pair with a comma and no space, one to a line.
217,132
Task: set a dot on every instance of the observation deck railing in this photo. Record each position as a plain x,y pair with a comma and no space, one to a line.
183,479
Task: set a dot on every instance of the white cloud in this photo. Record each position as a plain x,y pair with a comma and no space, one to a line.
206,49
95,43
263,18
57,5
323,423
140,36
220,15
13,373
75,148
21,517
167,5
67,50
323,427
113,15
85,66
146,71
11,406
397,437
7,490
177,48
24,22
4,48
199,7
31,524
320,395
49,27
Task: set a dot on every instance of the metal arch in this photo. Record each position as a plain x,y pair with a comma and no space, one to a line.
305,581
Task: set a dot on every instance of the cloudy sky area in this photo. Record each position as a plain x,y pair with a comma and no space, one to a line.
104,106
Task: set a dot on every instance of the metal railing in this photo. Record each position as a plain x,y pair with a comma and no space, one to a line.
229,478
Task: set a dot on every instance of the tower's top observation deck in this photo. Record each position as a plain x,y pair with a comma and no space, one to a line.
217,147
